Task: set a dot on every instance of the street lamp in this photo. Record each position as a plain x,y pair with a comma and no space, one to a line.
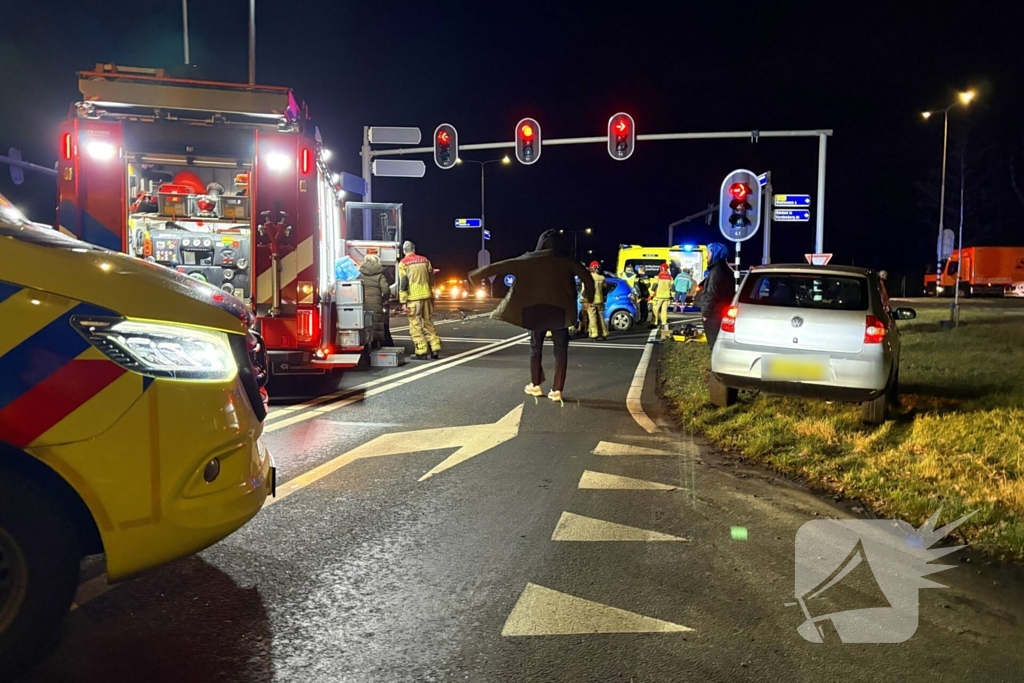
963,98
587,231
483,164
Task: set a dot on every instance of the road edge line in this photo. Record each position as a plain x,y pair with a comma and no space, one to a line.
634,402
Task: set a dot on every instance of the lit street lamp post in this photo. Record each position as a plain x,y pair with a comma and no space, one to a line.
964,98
588,231
483,165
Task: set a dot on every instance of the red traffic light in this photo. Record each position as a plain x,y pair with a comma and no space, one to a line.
739,190
443,137
526,130
621,127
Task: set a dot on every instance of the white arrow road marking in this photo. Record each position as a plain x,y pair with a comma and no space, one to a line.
572,527
472,440
601,480
541,611
613,448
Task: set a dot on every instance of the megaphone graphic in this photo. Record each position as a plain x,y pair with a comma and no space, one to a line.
851,586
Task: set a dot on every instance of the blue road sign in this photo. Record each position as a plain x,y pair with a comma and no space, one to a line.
792,200
510,280
792,215
762,179
487,234
468,223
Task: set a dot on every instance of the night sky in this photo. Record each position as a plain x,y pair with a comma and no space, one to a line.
864,72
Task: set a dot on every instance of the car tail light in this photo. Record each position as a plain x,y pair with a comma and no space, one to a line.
305,322
729,319
874,330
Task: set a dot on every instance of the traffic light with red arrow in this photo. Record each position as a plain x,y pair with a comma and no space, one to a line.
621,136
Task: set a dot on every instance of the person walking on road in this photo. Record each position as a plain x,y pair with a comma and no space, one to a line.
661,295
717,291
542,300
416,289
376,293
596,322
682,284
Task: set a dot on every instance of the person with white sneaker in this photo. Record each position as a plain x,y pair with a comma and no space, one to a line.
542,299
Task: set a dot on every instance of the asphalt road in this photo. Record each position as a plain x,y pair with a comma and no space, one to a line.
435,524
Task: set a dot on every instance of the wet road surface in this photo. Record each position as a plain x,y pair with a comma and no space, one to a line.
550,542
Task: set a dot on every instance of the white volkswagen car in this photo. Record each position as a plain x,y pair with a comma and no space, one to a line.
823,332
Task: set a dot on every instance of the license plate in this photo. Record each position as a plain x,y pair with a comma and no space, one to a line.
794,368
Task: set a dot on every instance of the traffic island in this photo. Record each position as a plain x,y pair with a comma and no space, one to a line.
956,441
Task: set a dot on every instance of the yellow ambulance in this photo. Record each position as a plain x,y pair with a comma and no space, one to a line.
131,414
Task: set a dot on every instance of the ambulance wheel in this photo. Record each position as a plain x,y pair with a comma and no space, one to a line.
39,562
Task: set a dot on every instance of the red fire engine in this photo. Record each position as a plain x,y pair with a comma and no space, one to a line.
225,182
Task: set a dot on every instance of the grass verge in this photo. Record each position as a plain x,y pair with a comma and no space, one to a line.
957,441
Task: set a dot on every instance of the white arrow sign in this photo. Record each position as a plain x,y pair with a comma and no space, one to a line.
471,440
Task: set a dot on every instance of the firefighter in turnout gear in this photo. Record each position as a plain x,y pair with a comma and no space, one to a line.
662,292
595,313
416,290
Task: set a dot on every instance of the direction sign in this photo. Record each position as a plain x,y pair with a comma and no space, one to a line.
818,259
353,183
487,234
510,280
398,168
792,200
394,135
791,215
468,223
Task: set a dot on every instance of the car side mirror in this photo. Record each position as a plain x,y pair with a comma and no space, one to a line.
905,313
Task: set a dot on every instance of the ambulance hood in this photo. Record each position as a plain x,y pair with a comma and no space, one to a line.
49,261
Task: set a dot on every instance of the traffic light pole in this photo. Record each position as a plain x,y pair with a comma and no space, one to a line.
822,135
766,252
819,231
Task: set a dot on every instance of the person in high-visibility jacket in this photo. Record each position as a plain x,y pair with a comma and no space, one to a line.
662,292
595,309
416,290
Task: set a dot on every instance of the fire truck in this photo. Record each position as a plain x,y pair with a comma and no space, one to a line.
229,184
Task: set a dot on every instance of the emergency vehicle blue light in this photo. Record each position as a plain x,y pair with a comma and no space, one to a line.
687,247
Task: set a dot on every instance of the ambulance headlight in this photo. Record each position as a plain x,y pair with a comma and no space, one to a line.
158,349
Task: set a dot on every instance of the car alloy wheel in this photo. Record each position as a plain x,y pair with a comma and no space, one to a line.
621,321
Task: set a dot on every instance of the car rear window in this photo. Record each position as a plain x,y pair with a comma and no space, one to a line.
806,290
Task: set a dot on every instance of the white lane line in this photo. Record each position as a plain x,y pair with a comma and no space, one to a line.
542,611
613,448
446,322
616,482
399,380
575,528
277,413
575,343
636,390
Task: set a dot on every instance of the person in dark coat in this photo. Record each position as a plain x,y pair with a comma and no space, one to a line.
716,291
376,292
542,300
643,292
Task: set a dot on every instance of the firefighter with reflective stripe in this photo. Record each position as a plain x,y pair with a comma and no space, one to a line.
662,292
416,290
595,313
